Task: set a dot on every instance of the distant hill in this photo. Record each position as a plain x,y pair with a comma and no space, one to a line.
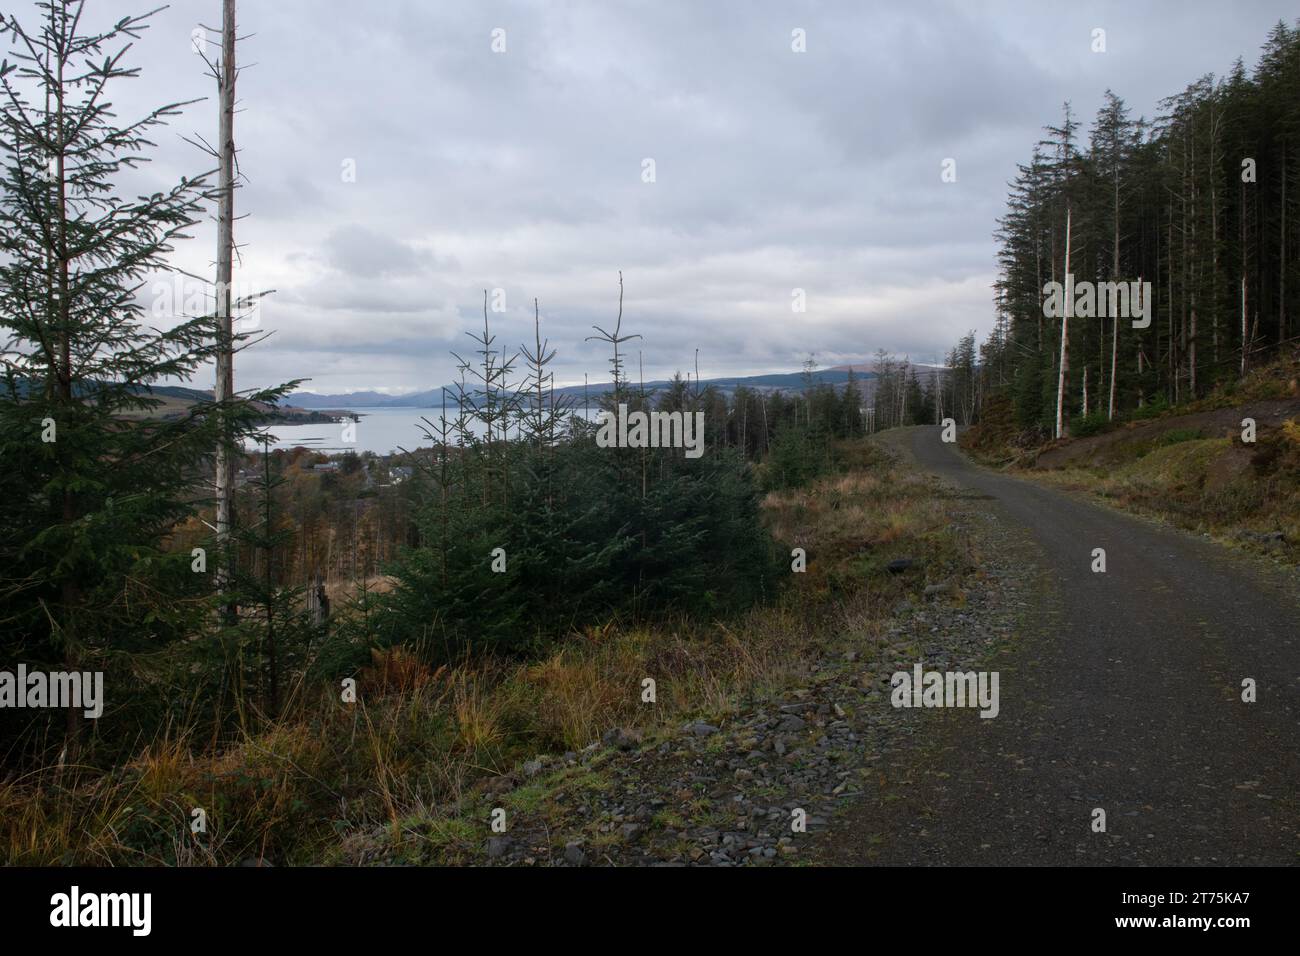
177,391
361,399
432,398
177,399
180,398
161,391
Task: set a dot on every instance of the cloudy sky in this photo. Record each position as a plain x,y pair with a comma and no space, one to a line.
524,170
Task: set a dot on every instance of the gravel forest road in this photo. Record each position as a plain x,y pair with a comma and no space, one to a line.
1122,692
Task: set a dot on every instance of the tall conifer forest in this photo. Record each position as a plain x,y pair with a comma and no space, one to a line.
1199,200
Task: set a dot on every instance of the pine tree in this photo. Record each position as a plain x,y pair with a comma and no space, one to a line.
94,480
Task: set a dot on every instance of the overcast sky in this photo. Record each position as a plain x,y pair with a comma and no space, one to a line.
523,170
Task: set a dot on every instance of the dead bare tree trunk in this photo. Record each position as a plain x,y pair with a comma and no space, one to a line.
1114,362
1245,335
1245,345
1114,274
1216,124
1064,366
1281,272
225,384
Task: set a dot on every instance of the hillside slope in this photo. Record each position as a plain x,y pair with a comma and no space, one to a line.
1192,466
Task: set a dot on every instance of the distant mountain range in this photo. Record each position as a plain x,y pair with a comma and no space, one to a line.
301,407
177,399
433,398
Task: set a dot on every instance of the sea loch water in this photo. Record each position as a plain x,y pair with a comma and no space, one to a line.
380,430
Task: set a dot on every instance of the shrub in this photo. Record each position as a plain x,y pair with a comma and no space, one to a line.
797,456
1176,435
1094,423
583,540
1152,409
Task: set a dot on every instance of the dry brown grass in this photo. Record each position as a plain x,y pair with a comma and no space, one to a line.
1240,494
417,742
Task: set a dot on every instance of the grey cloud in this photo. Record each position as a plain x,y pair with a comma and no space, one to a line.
362,252
522,171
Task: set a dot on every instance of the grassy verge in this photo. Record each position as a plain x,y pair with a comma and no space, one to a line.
1186,465
1245,496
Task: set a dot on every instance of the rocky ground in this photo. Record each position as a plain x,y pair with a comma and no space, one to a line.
756,788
